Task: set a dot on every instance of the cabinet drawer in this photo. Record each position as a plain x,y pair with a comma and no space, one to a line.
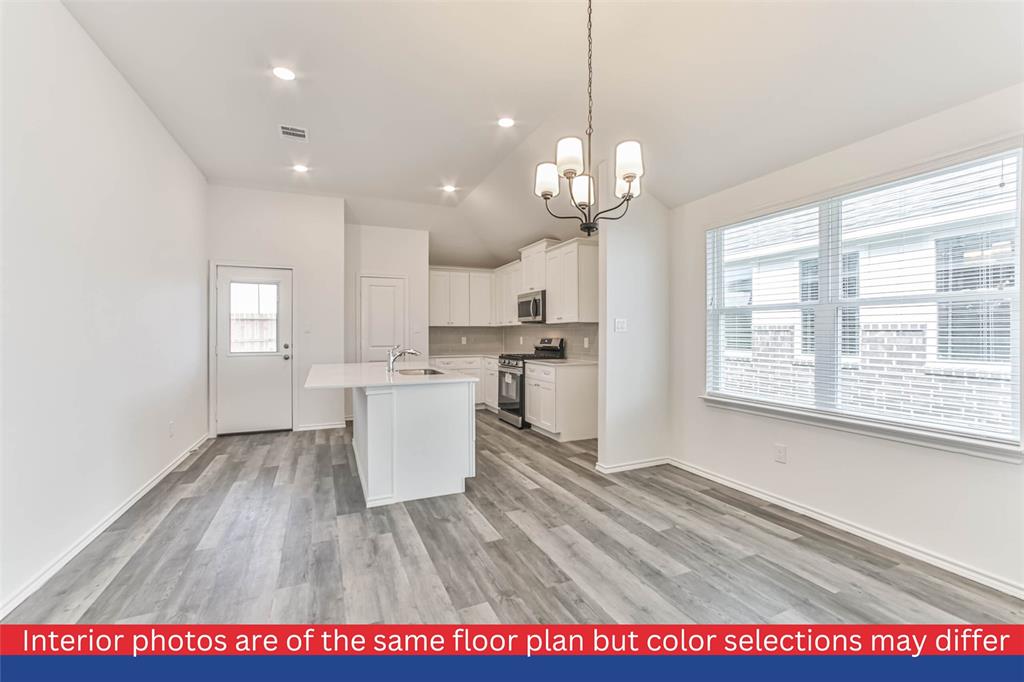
459,363
490,364
540,372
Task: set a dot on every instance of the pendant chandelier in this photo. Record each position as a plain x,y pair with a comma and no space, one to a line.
571,164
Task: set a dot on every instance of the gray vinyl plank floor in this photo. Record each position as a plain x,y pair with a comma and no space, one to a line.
273,528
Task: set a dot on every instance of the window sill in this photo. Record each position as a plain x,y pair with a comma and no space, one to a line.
995,450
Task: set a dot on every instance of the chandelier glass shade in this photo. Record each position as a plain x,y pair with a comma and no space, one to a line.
574,165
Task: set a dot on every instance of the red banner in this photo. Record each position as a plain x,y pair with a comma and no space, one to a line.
511,640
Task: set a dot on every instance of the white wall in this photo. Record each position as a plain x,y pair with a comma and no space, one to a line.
306,233
634,402
392,251
964,511
103,271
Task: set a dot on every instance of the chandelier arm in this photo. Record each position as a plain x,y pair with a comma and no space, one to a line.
560,217
609,210
621,215
572,200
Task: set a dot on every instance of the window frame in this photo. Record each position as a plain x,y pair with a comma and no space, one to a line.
830,241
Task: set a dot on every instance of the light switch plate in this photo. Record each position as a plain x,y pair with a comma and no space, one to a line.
586,342
621,325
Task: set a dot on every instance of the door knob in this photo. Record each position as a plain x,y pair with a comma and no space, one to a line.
287,357
286,346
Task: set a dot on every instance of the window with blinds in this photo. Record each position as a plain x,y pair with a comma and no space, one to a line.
897,304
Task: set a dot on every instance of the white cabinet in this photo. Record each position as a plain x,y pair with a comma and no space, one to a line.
534,266
440,298
470,364
460,298
540,404
561,400
507,285
480,298
572,282
490,383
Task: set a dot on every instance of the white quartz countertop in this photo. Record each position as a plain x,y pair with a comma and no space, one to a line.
568,362
366,374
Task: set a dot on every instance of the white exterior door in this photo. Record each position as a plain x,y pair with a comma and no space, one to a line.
254,352
382,317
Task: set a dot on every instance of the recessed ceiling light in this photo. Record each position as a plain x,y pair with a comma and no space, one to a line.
284,73
449,188
299,168
506,122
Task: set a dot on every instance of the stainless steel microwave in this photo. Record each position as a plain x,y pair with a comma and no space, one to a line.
531,306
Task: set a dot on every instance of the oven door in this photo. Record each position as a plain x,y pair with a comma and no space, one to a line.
511,403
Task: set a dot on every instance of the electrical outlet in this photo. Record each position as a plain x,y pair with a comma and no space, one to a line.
463,340
170,429
621,325
781,453
586,342
520,340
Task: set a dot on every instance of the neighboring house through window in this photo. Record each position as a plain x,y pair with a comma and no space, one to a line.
897,304
738,324
975,330
849,316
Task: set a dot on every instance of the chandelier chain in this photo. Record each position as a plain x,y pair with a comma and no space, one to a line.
590,78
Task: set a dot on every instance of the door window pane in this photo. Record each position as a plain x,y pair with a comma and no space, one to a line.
253,310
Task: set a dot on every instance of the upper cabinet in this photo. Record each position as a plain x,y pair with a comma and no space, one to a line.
480,298
460,298
571,279
508,284
468,297
440,298
534,264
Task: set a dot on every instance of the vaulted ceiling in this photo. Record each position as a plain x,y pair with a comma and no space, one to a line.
401,98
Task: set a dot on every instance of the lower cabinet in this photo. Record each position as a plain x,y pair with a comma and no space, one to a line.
540,404
471,365
561,400
490,383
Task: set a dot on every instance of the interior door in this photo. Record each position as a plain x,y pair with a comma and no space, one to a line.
381,317
254,353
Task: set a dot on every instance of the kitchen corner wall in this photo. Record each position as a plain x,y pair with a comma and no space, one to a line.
487,340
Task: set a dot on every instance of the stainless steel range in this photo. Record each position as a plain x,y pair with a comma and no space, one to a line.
512,380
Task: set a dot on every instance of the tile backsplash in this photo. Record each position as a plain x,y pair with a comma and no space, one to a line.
574,334
487,340
479,340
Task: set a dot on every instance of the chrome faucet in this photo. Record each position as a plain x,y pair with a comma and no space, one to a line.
396,352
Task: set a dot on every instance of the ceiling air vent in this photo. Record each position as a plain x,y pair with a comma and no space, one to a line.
294,133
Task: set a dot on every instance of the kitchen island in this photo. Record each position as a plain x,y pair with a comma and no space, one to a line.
414,433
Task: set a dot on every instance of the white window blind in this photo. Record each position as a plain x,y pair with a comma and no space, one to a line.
898,304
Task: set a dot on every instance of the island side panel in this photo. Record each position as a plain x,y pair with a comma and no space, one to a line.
381,427
435,439
359,434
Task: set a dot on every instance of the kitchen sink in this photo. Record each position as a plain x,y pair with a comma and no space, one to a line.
419,372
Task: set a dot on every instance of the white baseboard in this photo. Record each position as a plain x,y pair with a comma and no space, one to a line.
634,464
48,572
943,562
318,427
